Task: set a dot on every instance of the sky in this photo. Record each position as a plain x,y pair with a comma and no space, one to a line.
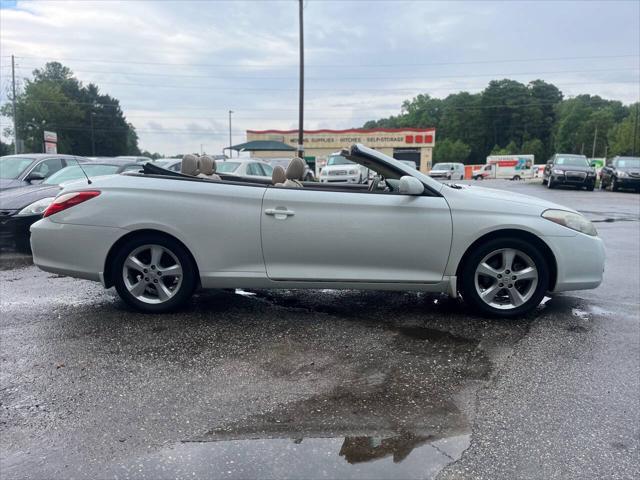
178,67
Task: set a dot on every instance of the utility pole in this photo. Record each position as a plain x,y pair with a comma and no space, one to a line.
595,138
635,131
230,138
93,140
301,93
15,123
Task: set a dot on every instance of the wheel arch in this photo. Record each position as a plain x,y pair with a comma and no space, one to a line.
108,264
515,233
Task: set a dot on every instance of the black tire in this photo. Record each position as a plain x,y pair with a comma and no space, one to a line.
590,188
614,185
189,279
23,244
544,181
467,280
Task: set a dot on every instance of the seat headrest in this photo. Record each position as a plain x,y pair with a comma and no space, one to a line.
207,165
189,165
278,175
296,168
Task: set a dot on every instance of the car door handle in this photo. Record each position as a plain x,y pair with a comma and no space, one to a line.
279,212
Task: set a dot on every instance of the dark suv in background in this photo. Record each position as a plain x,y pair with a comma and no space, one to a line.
621,172
568,169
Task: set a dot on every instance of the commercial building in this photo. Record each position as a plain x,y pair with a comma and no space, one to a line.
415,144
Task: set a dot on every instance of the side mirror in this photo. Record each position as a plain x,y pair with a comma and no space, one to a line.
594,164
34,176
410,186
453,168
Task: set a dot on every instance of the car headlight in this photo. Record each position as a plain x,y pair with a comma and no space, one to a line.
323,173
36,208
571,220
622,174
353,172
557,171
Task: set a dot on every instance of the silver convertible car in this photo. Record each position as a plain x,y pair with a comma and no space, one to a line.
158,235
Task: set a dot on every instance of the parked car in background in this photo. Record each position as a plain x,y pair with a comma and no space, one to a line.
136,158
409,163
569,169
309,176
32,168
172,164
447,171
502,250
340,169
23,206
245,168
621,173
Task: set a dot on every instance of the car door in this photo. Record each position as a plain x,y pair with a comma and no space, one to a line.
49,166
314,235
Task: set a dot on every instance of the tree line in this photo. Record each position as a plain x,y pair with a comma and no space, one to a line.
509,117
87,122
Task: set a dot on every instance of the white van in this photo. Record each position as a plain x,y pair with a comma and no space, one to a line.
513,167
448,171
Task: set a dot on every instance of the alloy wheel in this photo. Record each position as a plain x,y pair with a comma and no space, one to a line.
506,278
152,274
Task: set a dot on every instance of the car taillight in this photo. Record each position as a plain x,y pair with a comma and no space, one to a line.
68,200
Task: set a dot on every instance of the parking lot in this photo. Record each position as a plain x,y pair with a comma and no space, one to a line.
325,384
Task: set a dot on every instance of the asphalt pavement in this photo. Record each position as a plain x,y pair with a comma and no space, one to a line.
323,383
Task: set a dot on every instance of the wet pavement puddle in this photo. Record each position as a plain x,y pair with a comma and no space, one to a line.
405,456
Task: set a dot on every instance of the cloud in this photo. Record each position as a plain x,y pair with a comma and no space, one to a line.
179,66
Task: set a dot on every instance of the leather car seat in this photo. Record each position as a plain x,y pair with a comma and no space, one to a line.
278,177
189,165
207,167
295,173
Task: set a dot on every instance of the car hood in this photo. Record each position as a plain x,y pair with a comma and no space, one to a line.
17,198
340,167
628,169
573,168
6,183
503,196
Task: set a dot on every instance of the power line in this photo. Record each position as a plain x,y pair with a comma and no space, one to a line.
295,65
354,89
341,77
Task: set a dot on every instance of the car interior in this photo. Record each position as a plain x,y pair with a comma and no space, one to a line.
386,179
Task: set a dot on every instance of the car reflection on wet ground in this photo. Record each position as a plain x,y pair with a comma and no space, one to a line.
321,384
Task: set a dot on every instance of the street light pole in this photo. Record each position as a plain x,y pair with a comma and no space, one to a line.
93,140
230,137
301,92
13,101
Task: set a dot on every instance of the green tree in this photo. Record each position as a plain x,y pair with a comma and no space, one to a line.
621,141
535,147
55,100
6,148
451,151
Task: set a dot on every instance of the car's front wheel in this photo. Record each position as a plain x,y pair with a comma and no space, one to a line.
505,277
154,273
614,185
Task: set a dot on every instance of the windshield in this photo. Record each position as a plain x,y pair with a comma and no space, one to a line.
227,167
573,161
338,160
627,162
75,173
12,167
443,166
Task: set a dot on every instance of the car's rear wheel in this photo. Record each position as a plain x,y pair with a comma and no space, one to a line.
154,273
505,277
